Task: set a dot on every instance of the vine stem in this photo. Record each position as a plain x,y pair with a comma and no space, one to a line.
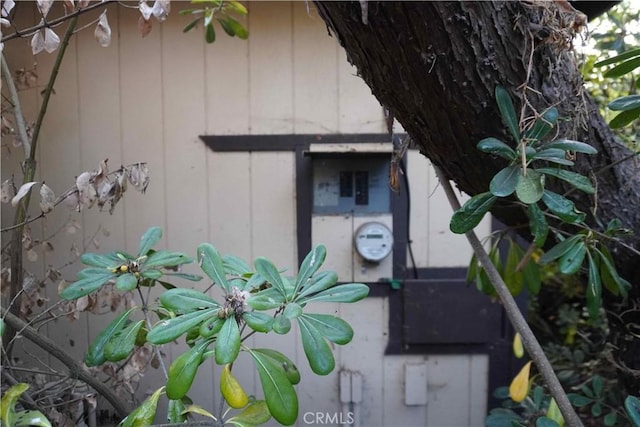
75,369
531,344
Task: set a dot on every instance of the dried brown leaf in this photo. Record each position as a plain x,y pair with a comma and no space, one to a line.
8,190
138,175
47,198
44,6
86,191
27,240
102,32
144,26
23,191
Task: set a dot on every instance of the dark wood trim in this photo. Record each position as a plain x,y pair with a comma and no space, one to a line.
286,142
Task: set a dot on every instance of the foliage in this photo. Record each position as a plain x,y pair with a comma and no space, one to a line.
12,418
258,300
629,106
221,10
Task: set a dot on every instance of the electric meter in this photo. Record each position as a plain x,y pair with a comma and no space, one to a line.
373,241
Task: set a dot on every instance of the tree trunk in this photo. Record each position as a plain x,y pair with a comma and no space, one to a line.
435,66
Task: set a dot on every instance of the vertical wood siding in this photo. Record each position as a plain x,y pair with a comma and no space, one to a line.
149,100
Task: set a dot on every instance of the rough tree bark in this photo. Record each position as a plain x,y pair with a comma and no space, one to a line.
435,66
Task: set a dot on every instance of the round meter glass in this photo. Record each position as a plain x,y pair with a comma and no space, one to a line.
373,241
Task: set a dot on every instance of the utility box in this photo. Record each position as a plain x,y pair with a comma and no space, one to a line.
351,212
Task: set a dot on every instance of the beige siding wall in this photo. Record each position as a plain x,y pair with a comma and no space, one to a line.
149,100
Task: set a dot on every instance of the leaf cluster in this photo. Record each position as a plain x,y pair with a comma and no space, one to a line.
220,11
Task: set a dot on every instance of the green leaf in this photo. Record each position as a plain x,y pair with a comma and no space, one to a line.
210,33
546,422
186,276
331,327
507,112
175,412
350,292
572,260
623,68
255,414
607,261
311,263
618,58
226,26
126,282
95,355
504,182
228,342
144,414
259,322
279,393
472,270
166,259
512,278
598,385
191,25
30,418
319,282
562,207
210,327
109,261
234,265
9,399
183,371
281,325
316,349
624,118
270,273
581,182
122,342
168,330
530,187
284,362
266,299
292,310
553,155
579,400
86,285
570,145
151,274
149,239
537,224
471,213
560,249
212,265
542,125
553,412
496,147
593,293
182,300
624,103
235,6
610,419
632,405
531,277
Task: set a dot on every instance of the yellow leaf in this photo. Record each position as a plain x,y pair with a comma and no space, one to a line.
195,409
518,350
231,389
519,387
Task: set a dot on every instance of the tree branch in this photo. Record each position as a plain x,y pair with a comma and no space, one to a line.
518,321
75,369
15,99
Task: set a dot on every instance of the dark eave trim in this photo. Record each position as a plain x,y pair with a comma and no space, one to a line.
286,142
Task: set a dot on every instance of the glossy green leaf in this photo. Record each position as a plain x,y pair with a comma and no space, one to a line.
542,125
319,282
531,277
570,145
9,399
226,26
350,292
210,327
624,118
234,265
269,271
581,182
93,271
30,418
497,147
512,278
122,342
560,249
311,263
175,412
632,405
316,348
537,224
186,276
212,265
168,330
579,400
331,327
228,342
86,285
210,33
149,239
553,155
259,322
624,103
562,207
152,274
504,182
530,187
593,292
279,393
292,310
255,414
507,112
164,258
182,300
266,299
471,213
618,58
236,6
95,355
126,282
109,261
290,369
191,25
572,260
144,414
608,264
183,371
624,67
281,325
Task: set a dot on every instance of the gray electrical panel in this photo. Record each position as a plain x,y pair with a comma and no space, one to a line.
351,184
